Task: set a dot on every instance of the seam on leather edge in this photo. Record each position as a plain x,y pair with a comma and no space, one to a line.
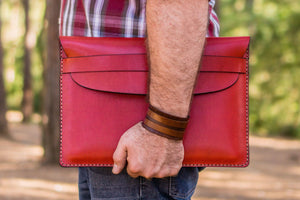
184,165
216,165
247,106
60,106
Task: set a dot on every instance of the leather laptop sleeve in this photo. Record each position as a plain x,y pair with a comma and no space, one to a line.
103,86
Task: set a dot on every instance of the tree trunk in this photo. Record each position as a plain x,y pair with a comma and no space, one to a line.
51,118
27,101
3,121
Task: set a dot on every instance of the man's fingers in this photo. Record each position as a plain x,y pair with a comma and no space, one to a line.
133,175
133,170
120,157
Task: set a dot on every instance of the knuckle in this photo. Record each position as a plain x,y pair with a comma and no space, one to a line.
149,172
174,171
161,175
152,171
156,170
164,172
148,175
133,169
132,175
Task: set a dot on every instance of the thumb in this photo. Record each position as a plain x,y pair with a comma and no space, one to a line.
120,157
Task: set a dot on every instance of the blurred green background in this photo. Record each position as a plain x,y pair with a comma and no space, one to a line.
13,38
274,75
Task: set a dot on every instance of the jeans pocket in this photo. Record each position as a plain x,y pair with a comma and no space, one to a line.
183,185
106,185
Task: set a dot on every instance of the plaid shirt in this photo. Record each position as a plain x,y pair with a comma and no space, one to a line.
112,18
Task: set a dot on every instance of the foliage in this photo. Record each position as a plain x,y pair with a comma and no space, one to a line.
274,77
13,36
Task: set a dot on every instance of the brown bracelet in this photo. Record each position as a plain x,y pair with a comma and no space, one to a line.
165,125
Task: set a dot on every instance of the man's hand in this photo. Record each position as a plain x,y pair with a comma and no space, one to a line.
147,154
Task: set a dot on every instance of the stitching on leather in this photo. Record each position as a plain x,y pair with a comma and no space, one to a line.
61,92
185,165
247,105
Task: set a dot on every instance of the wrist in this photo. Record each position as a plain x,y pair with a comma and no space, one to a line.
165,125
174,100
180,110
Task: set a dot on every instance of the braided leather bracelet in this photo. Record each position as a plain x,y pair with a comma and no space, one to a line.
165,125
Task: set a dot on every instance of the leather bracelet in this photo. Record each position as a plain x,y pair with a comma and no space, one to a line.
165,125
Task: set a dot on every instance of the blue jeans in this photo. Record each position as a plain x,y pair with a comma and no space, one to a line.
98,183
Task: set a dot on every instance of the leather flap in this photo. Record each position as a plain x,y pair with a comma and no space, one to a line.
138,62
119,65
136,82
74,46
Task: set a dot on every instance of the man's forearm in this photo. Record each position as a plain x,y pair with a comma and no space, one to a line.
176,32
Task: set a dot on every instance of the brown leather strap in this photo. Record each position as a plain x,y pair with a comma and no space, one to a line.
162,129
165,125
160,133
167,115
167,121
